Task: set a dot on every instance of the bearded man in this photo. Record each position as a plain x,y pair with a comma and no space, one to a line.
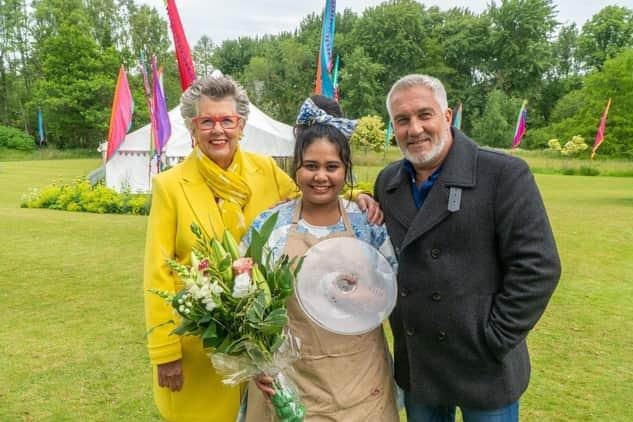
477,263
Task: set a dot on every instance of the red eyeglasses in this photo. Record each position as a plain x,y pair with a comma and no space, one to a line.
209,122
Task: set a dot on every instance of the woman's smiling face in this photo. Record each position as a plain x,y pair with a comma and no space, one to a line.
218,143
321,176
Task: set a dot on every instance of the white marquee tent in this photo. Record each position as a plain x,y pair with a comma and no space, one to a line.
129,168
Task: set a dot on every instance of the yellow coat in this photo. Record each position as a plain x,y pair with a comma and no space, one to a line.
180,197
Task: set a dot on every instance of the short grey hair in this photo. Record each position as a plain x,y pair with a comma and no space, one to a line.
414,80
215,88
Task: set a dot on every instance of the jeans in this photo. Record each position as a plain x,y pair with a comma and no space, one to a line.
422,413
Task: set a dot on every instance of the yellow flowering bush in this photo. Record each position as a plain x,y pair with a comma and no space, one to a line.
81,196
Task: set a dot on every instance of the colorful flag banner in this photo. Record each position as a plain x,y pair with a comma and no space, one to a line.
122,110
335,78
183,53
521,126
41,136
457,117
324,84
601,128
388,135
159,111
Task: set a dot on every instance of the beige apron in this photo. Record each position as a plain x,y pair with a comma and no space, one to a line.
340,377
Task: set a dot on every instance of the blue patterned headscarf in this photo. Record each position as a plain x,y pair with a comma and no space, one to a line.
310,113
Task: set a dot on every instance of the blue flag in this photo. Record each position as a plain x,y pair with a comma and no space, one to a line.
457,117
41,136
327,45
388,135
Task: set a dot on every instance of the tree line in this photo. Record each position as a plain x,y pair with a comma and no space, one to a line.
62,56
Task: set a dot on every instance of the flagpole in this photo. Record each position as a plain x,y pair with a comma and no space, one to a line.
148,98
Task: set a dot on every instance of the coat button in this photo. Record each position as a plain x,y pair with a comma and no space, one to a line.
411,331
404,292
435,253
441,336
436,296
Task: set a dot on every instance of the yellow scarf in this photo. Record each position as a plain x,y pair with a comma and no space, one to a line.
229,187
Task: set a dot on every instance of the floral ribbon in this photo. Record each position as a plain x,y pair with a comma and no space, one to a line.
310,113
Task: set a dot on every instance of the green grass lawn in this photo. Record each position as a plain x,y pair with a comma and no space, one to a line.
73,347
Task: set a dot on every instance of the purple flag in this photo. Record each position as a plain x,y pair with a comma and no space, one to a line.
520,130
159,111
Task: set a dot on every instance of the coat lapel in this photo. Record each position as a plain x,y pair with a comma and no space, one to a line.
458,170
398,191
432,212
201,200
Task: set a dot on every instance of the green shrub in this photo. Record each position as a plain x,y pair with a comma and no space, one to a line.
588,171
359,187
82,197
13,138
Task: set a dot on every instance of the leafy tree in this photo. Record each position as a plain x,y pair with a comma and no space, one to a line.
360,89
463,37
519,44
565,52
394,34
232,56
202,52
15,69
605,35
495,127
149,35
277,79
75,90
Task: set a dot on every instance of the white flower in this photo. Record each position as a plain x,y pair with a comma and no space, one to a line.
215,288
242,285
181,308
209,304
196,291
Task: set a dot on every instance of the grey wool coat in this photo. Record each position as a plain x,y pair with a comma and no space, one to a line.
477,267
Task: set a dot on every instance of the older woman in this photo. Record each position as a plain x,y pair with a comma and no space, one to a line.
218,186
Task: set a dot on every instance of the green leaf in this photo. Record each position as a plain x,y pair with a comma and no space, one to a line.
259,239
255,312
275,321
210,337
277,341
186,326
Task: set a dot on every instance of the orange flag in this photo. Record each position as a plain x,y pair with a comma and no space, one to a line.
600,135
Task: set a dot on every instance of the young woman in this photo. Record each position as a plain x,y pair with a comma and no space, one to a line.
340,378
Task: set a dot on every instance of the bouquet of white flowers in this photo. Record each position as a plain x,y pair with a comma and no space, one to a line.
237,305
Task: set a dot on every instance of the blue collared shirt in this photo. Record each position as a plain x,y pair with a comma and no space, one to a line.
420,193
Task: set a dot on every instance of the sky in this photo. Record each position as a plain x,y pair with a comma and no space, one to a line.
235,18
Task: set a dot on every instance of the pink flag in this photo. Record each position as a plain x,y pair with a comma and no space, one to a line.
121,118
183,54
520,130
600,135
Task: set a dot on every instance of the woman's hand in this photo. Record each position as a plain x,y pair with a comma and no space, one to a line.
367,204
170,375
265,384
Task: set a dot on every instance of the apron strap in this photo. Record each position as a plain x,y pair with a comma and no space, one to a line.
346,222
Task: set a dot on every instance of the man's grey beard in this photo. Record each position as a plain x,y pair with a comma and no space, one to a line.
426,157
